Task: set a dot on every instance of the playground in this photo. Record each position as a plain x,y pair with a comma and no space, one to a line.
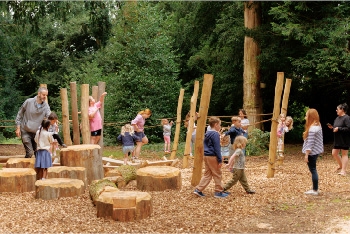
278,206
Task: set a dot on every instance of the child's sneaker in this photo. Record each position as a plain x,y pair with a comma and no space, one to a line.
64,146
55,160
227,192
250,191
311,192
198,193
220,195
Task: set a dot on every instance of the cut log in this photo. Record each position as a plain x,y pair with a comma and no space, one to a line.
17,180
158,178
58,187
124,206
85,155
116,162
3,159
67,172
98,186
119,181
20,163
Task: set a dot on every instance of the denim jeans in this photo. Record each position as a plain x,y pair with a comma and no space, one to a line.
312,167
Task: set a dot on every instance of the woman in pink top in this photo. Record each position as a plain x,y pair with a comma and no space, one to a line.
95,118
138,124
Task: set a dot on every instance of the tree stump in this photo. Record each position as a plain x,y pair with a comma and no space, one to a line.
20,163
124,206
17,180
58,187
99,186
85,155
67,172
158,178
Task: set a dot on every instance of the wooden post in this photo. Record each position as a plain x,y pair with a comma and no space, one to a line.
75,118
94,92
284,108
101,90
201,124
85,114
194,98
65,117
178,124
273,133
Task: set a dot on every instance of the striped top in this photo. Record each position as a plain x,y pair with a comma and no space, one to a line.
314,141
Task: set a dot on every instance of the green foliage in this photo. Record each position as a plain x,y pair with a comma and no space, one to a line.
128,172
258,142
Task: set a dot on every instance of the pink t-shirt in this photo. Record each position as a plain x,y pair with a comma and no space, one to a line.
96,121
139,121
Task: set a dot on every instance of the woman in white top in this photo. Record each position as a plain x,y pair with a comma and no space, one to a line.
244,121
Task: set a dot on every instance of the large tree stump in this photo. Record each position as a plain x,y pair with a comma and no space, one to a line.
158,178
3,159
67,172
85,155
124,205
99,186
20,163
17,180
58,187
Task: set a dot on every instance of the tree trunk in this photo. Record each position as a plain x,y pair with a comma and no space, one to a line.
252,101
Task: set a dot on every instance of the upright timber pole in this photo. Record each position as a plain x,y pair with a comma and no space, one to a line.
65,117
75,118
101,90
201,124
273,133
284,108
85,113
185,163
178,124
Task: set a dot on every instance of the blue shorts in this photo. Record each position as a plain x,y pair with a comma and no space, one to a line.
96,133
127,149
140,135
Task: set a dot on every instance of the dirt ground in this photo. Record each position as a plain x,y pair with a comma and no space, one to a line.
279,204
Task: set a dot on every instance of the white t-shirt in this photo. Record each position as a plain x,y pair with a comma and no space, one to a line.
245,122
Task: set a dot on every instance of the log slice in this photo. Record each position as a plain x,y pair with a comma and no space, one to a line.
58,187
17,180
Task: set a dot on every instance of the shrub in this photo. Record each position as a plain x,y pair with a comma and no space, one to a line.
258,142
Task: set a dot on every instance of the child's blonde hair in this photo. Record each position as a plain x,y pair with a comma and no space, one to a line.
163,121
145,111
234,119
127,128
289,119
282,115
239,142
224,140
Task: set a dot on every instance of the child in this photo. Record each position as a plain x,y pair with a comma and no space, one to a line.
54,130
225,147
128,137
289,124
166,134
283,127
43,139
235,130
236,165
212,160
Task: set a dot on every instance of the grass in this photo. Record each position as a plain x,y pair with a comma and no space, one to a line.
4,140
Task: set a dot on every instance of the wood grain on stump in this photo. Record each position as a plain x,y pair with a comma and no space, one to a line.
20,163
17,180
3,159
85,155
58,187
158,178
124,206
67,172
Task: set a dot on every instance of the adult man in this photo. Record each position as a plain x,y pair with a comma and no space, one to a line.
29,118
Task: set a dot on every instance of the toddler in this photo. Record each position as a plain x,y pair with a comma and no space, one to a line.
166,134
236,165
43,139
225,147
127,137
53,118
193,137
285,124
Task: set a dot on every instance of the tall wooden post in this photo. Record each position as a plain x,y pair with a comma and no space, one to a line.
101,90
94,92
75,118
178,124
273,133
85,114
65,117
284,108
201,124
194,98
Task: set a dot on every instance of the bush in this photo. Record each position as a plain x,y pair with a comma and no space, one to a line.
258,142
